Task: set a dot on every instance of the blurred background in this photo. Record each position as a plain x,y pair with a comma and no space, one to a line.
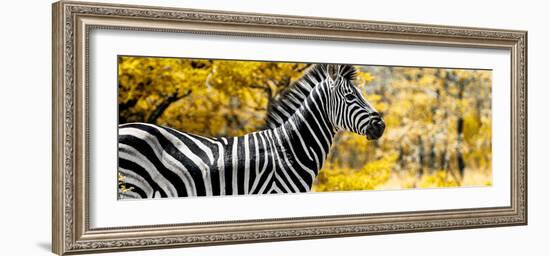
438,121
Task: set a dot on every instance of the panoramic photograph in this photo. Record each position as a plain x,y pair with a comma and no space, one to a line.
208,127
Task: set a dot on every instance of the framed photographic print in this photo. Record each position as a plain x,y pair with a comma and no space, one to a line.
177,127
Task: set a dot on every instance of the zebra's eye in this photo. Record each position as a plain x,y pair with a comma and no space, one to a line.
350,97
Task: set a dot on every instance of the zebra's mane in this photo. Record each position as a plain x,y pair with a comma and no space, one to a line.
292,97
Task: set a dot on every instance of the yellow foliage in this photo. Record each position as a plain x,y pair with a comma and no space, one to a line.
121,185
217,97
369,176
438,179
364,77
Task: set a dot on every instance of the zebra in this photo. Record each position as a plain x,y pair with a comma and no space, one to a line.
158,161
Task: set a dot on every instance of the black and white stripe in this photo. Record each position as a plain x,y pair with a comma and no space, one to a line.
157,161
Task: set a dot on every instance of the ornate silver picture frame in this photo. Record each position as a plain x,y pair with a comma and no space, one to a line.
74,21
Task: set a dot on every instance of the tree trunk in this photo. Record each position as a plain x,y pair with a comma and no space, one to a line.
460,127
421,154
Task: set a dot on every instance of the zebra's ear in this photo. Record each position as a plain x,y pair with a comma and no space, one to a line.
333,70
345,71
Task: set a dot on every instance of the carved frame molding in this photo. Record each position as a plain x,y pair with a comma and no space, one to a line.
72,22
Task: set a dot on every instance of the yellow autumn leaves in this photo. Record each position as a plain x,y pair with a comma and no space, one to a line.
370,176
438,120
214,98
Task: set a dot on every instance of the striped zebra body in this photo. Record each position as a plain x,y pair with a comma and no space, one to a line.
157,161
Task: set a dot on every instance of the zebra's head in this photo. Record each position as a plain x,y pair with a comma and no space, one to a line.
347,108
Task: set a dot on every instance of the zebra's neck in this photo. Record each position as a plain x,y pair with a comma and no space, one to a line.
308,134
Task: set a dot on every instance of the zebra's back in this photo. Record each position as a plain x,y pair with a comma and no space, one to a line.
156,161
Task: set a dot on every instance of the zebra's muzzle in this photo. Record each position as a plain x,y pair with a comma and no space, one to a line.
376,128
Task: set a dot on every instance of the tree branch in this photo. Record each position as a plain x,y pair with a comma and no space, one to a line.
164,105
126,105
303,68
